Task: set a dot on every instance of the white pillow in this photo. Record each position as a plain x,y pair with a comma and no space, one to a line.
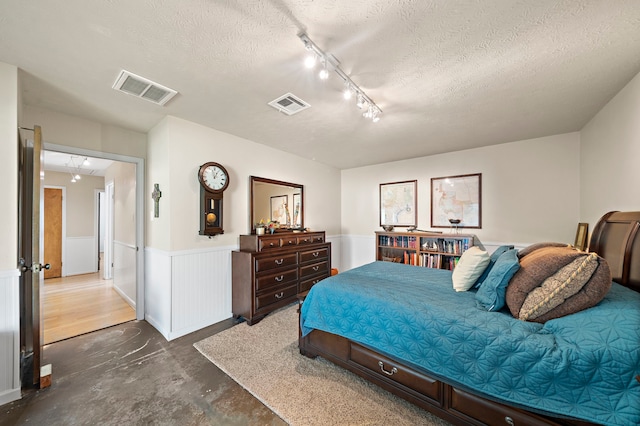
471,265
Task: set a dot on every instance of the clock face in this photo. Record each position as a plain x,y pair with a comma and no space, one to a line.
214,177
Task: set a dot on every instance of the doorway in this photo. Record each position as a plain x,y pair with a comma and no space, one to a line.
82,298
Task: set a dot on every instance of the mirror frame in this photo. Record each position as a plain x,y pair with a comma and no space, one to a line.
253,180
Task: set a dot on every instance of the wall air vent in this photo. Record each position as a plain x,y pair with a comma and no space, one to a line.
289,104
141,87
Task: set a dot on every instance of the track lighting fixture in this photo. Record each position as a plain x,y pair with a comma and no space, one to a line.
75,167
348,92
373,111
324,74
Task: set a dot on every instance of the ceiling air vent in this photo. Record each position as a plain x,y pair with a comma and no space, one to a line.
289,104
141,87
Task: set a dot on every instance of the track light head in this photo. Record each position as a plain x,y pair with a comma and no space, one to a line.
310,60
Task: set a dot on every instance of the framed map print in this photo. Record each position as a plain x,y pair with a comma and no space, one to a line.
398,203
456,201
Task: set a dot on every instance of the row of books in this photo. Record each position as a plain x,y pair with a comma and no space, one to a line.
457,246
404,241
427,260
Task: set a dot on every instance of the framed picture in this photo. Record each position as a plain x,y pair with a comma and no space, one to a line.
456,201
398,203
297,203
581,236
279,208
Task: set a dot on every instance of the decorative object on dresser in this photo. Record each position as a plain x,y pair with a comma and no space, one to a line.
456,201
214,179
433,250
398,203
270,271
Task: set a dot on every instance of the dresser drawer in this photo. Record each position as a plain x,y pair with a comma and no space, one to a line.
288,241
271,262
311,255
311,238
276,279
307,284
314,269
269,243
489,412
395,372
275,296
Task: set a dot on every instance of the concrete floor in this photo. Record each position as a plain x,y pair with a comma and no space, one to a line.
130,375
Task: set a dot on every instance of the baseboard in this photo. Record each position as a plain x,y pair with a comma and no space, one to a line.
155,324
126,298
10,396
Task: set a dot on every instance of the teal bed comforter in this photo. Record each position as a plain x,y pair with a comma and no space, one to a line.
583,365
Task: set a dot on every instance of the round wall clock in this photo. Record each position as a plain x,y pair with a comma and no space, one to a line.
214,179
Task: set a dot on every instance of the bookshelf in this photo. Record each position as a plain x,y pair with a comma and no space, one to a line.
431,250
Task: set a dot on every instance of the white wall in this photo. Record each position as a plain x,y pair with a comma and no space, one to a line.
530,193
182,146
67,130
610,157
9,274
123,176
9,169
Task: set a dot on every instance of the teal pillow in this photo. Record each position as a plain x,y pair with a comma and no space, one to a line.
492,292
492,261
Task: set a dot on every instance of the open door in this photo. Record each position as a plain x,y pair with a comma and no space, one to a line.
31,279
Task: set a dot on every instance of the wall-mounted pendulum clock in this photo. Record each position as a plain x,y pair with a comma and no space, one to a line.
214,179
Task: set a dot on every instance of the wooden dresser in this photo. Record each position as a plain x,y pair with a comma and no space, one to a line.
269,271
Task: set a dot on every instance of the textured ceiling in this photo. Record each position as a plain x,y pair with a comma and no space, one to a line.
448,75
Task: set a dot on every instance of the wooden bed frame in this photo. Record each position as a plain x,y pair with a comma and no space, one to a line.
616,237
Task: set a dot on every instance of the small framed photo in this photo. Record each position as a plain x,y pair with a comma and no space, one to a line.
279,209
398,203
581,236
456,201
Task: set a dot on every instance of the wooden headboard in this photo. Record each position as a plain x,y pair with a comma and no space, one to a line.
616,237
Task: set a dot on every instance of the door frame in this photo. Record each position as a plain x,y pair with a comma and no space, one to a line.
64,224
140,188
107,273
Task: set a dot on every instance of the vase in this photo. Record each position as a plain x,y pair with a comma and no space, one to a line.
260,231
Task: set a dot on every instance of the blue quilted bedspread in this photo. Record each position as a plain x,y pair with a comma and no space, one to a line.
583,365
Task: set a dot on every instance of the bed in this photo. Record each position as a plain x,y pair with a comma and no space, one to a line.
403,328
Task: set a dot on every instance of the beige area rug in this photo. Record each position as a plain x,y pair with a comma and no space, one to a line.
264,359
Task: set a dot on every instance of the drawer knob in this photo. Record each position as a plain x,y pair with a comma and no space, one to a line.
316,253
509,420
280,278
271,244
393,371
315,268
279,295
290,242
279,262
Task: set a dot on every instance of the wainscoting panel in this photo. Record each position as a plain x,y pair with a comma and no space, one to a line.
124,271
81,255
157,290
336,251
187,290
9,336
201,290
358,250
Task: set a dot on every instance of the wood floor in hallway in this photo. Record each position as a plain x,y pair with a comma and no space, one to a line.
80,304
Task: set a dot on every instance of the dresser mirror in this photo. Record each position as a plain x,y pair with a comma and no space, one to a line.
274,200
